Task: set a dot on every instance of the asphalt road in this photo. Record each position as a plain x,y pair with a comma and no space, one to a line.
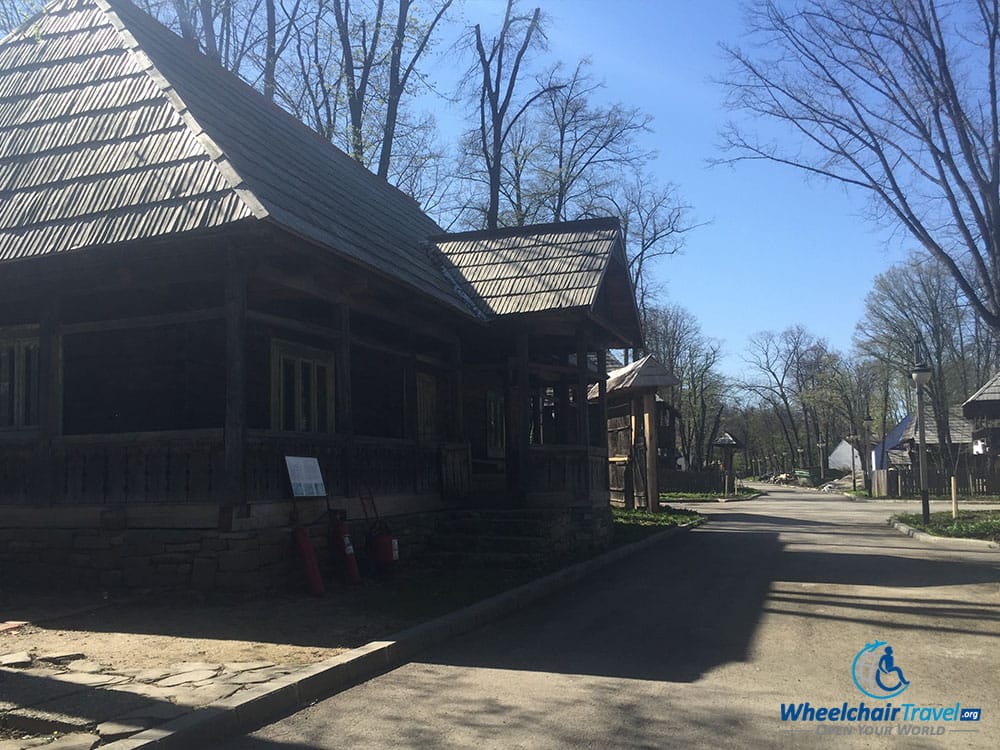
698,641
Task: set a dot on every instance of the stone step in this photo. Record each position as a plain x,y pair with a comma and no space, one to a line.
491,560
473,543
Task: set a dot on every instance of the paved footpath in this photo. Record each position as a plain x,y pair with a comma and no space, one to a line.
697,641
83,703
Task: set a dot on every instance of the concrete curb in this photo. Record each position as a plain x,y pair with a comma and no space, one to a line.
923,536
249,709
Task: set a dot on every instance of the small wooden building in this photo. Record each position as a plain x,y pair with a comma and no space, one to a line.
194,285
983,410
641,429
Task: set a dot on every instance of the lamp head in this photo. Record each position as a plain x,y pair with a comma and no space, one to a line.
921,374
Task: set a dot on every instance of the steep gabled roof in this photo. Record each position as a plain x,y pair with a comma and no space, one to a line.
646,372
113,129
959,427
536,267
984,403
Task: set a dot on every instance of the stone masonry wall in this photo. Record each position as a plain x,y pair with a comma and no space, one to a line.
255,558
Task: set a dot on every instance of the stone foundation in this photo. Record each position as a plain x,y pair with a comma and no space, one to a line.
134,549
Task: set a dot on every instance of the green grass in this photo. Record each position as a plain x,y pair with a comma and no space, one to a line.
970,524
634,525
744,492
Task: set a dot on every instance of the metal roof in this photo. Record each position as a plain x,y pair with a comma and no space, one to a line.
534,268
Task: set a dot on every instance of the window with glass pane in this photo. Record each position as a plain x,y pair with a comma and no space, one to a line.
303,388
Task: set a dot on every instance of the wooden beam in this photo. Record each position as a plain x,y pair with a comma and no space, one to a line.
582,405
145,321
345,406
347,292
278,321
236,329
652,487
522,407
458,396
602,390
50,370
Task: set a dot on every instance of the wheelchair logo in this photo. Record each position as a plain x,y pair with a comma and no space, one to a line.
876,673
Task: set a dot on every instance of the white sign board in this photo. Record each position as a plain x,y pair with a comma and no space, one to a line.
306,477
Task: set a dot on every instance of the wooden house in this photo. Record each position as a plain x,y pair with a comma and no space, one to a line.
641,430
194,285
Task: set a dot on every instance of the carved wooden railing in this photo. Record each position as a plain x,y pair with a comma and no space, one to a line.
131,468
189,467
577,472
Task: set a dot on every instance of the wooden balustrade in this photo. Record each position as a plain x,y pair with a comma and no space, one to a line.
189,467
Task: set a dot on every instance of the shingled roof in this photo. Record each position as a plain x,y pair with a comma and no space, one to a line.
958,426
537,267
113,129
984,403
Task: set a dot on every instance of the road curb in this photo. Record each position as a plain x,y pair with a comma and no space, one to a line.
249,709
923,536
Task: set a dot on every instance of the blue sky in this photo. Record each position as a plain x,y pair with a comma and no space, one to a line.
778,249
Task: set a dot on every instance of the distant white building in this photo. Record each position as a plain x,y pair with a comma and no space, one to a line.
841,457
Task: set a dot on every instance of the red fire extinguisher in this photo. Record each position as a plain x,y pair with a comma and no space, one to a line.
342,543
314,578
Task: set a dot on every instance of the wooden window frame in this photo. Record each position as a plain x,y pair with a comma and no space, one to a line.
20,343
313,358
496,424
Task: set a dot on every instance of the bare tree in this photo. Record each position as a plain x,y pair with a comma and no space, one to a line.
897,98
586,148
499,76
919,301
655,222
15,12
674,336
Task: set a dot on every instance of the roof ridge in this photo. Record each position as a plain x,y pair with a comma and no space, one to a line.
212,149
559,227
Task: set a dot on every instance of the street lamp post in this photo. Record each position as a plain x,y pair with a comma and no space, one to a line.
822,460
800,457
921,375
852,439
866,462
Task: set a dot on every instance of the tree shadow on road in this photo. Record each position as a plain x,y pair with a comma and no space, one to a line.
694,603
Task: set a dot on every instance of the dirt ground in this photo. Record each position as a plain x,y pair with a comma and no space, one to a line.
162,630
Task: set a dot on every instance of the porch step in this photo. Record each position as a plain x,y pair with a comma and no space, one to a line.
494,523
489,543
488,538
495,560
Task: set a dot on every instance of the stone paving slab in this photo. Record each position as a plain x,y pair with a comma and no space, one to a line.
191,703
91,703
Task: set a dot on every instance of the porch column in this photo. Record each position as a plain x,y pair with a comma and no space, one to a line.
649,424
457,431
583,410
49,400
49,356
522,407
235,431
562,413
345,407
602,410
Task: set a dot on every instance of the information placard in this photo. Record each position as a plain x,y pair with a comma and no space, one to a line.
306,477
